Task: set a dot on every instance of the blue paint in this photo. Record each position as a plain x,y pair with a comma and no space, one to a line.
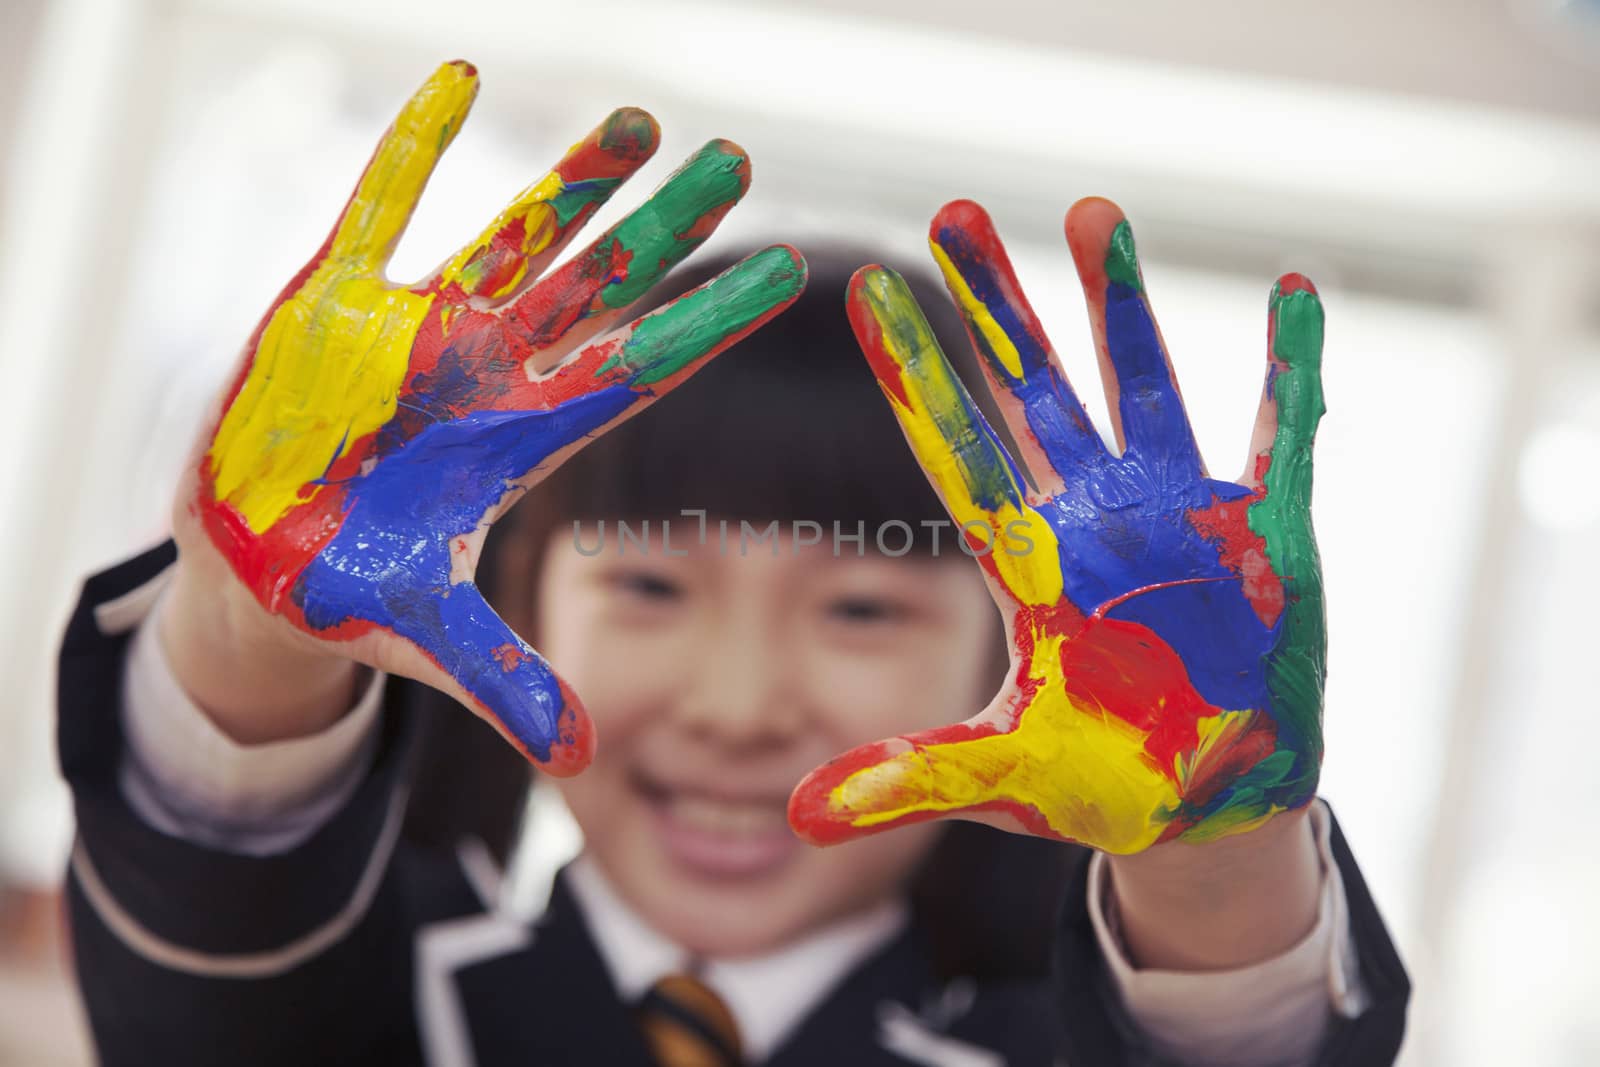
1154,424
1122,522
390,562
1054,413
1145,540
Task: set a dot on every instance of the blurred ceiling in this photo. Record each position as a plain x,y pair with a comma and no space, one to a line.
1537,55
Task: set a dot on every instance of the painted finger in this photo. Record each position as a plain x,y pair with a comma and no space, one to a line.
1292,406
1064,751
1291,399
657,352
891,783
1046,417
494,672
1072,777
591,293
527,236
390,187
1141,390
608,378
964,461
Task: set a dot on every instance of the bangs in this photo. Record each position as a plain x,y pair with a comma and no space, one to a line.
789,424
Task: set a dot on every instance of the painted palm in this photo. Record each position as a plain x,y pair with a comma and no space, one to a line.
373,430
1166,628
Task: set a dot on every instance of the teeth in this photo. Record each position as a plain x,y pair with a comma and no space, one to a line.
722,817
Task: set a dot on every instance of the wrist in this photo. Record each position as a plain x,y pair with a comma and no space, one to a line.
256,680
1222,904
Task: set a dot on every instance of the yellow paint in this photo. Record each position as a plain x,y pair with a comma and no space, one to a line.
539,226
940,428
1230,821
1216,734
1082,768
333,355
393,181
979,315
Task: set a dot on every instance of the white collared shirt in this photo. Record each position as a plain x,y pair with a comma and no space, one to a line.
769,995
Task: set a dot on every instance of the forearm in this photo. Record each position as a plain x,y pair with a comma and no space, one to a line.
1220,905
186,953
186,777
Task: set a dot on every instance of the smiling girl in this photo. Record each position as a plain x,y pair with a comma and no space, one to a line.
242,717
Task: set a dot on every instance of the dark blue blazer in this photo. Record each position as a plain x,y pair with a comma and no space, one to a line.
365,945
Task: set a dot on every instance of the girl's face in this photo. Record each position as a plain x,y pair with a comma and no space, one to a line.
716,681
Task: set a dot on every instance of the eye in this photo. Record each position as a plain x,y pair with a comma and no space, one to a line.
866,609
647,586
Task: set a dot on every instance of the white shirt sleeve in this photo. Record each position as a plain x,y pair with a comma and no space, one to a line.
185,777
1271,1014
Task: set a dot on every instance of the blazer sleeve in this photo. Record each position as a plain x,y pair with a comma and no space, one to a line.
1096,1029
190,955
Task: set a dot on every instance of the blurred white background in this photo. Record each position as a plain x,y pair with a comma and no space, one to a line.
1434,166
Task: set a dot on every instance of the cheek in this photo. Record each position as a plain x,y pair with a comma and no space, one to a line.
626,685
622,676
933,680
844,878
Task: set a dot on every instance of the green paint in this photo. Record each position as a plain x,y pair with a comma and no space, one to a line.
628,132
668,226
576,197
699,322
1297,665
985,470
1122,260
1248,798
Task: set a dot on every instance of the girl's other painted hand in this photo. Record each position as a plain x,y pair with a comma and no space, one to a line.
338,499
1166,628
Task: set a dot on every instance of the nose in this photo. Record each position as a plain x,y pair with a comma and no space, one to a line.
742,691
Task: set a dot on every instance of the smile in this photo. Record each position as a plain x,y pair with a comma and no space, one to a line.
718,836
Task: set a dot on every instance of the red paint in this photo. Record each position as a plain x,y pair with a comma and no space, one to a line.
575,747
546,313
1088,243
972,224
615,149
269,563
500,258
1110,665
580,375
869,335
509,656
809,811
1243,551
1295,283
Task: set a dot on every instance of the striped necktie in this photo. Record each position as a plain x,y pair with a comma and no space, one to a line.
687,1025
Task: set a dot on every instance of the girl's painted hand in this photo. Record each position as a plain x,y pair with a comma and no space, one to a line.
1166,628
373,431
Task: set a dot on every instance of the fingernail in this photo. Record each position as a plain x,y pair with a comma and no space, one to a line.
628,132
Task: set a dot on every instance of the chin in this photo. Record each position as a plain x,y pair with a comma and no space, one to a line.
725,876
727,911
729,934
